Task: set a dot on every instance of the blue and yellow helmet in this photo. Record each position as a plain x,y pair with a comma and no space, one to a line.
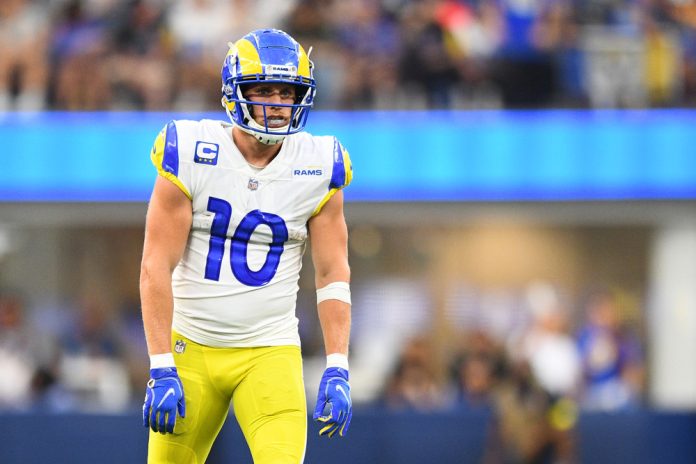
270,56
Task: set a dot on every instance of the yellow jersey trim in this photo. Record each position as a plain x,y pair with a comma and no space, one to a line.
348,166
324,200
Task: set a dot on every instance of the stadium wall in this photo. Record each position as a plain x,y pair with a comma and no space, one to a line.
639,437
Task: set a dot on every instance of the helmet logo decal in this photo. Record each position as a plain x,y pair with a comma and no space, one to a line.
278,69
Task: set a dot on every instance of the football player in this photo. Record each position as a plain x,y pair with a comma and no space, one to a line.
227,224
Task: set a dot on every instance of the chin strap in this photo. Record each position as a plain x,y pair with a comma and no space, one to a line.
266,139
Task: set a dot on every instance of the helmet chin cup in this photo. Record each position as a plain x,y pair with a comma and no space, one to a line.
267,138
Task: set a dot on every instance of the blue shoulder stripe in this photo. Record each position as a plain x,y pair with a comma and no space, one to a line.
170,162
338,175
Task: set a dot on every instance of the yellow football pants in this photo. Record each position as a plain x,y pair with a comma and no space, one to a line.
266,389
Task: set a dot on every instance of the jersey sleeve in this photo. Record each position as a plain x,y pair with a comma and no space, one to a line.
341,173
165,157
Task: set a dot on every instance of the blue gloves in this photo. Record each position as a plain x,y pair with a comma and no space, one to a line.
163,398
334,395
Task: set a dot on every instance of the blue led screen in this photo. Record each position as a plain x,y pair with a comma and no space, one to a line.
397,156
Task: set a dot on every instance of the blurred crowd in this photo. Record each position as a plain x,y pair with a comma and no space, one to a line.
78,356
398,54
531,358
532,361
69,357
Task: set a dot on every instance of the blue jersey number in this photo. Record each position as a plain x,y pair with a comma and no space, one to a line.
240,243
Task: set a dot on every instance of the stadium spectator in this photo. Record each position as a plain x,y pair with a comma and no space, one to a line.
369,38
379,337
547,345
140,66
17,354
146,54
78,48
612,358
201,30
524,429
92,366
307,21
23,44
25,353
476,377
426,64
414,385
524,69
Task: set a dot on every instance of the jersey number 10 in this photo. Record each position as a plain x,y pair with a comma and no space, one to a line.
240,243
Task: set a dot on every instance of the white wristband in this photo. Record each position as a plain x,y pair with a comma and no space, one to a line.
334,291
337,360
158,361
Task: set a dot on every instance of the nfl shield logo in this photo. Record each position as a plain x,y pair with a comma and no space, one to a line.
180,346
253,184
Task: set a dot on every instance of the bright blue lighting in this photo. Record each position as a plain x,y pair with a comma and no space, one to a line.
397,156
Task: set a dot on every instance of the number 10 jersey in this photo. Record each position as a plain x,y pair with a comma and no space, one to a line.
236,284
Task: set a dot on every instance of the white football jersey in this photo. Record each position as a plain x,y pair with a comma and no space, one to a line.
236,284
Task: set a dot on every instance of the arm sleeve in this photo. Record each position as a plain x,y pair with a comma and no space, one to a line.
165,157
341,173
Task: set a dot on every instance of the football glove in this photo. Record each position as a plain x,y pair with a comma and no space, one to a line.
334,408
163,398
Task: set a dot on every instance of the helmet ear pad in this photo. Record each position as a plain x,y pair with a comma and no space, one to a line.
301,93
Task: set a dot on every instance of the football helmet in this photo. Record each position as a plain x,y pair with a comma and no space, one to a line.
269,56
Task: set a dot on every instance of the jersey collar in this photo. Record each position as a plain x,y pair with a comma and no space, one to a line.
278,168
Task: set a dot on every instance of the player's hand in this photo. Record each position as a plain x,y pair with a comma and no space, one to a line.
334,407
163,398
